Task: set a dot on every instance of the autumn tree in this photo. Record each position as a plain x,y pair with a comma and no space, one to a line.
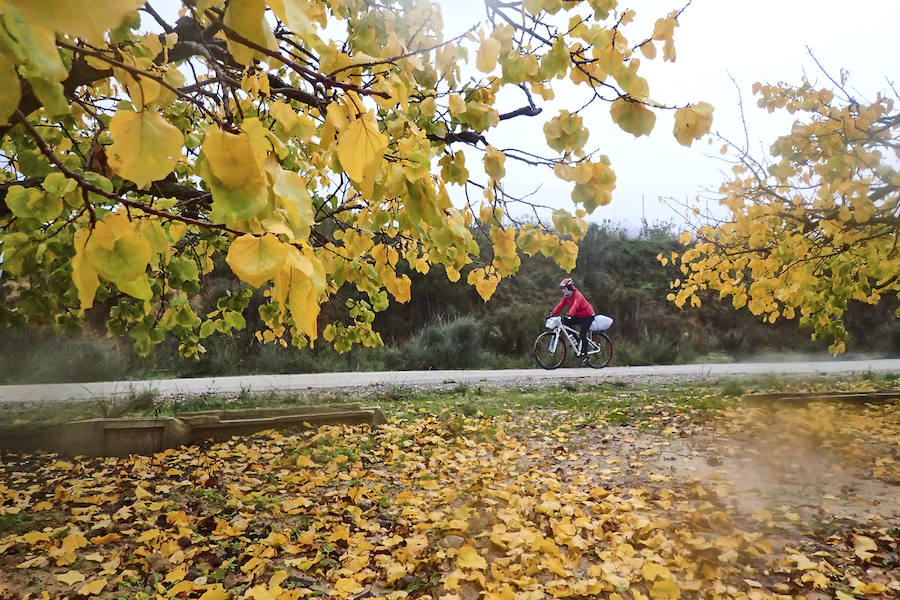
309,144
815,226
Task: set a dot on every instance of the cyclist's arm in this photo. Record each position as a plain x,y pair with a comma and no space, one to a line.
559,307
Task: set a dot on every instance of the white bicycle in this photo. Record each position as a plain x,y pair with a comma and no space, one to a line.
550,346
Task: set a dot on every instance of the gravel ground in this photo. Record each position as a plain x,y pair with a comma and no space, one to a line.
367,383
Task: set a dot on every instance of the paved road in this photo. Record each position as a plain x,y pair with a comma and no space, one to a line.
362,380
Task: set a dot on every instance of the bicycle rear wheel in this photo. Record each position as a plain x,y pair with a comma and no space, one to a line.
598,360
547,357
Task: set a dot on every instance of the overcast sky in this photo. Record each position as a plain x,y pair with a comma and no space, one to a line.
762,40
753,40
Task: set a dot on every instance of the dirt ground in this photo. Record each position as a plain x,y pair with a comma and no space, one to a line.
759,502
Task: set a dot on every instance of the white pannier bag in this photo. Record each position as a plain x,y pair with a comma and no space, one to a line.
553,322
601,323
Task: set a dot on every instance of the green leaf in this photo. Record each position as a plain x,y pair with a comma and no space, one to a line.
184,274
557,61
116,251
632,117
208,328
32,203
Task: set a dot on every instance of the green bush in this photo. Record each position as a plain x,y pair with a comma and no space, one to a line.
455,344
511,329
40,356
652,349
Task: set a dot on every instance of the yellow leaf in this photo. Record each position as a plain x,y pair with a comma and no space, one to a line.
33,537
399,287
180,588
692,122
230,157
71,577
457,105
869,589
285,114
178,518
86,19
109,538
294,14
494,163
304,460
248,19
177,574
346,586
142,90
92,588
554,565
145,146
360,146
304,305
291,196
468,558
487,55
864,547
665,589
263,592
256,259
216,592
10,92
632,117
27,564
803,563
652,571
83,274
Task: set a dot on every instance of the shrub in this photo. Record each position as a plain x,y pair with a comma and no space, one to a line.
653,349
455,344
42,356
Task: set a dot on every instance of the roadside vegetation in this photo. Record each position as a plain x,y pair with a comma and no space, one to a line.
445,326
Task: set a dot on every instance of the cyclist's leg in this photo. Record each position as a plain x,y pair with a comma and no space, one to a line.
585,327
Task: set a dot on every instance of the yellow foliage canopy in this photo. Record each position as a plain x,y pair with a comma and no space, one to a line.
146,151
811,230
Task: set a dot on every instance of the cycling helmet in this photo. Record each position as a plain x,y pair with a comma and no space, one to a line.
567,283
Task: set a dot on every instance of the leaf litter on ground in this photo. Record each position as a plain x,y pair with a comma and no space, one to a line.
570,493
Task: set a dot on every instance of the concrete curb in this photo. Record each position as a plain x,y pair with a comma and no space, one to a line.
122,437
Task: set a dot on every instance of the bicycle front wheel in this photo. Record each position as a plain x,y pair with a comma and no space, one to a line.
600,359
549,350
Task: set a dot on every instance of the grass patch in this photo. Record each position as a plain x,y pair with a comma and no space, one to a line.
616,402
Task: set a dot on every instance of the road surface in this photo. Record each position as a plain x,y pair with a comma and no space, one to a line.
361,380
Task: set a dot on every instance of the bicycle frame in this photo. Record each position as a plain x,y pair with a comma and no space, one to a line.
574,342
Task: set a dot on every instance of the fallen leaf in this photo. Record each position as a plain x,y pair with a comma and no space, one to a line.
864,547
71,577
93,588
468,558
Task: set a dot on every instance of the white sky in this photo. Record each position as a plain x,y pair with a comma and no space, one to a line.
753,40
759,40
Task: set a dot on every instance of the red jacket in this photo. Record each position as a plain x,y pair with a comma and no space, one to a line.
578,306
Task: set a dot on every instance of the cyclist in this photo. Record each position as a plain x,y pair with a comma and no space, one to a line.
580,312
